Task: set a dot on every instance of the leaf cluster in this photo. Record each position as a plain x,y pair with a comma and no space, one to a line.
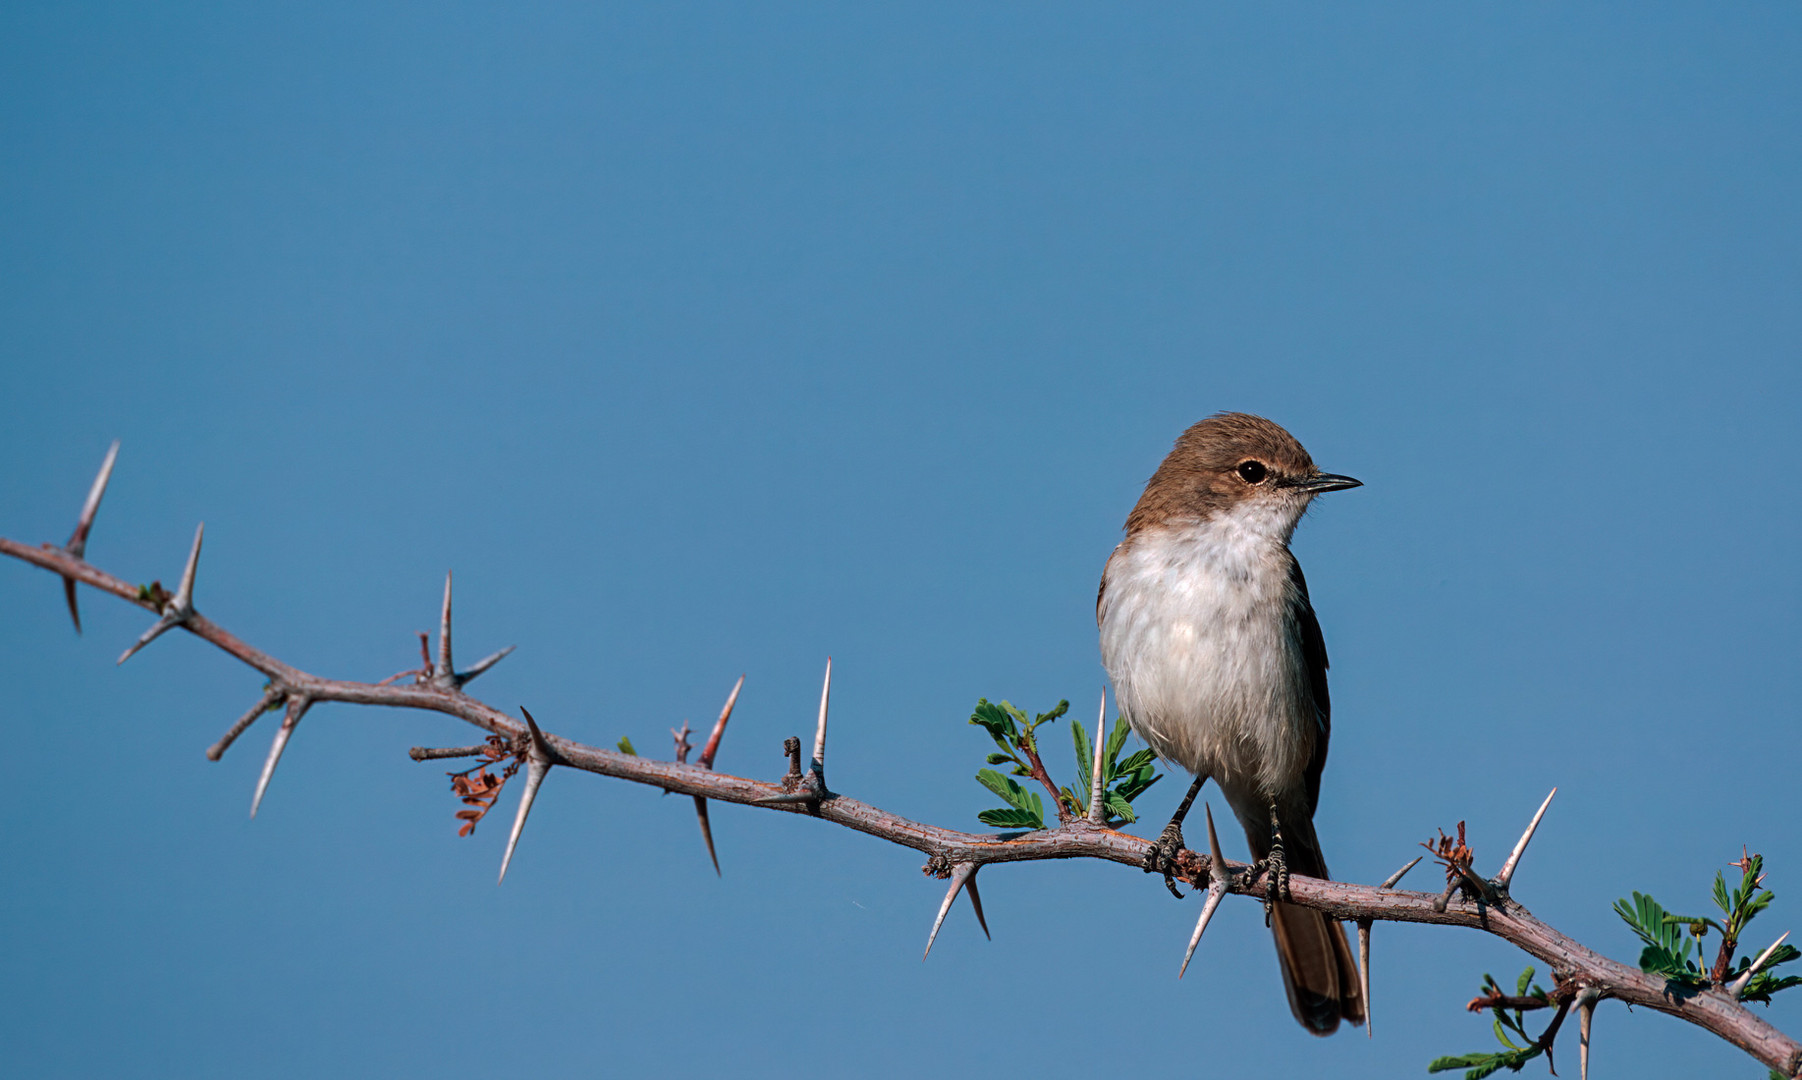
1014,736
1668,938
1509,1024
1017,747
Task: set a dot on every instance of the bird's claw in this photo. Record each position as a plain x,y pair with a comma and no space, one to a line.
1161,856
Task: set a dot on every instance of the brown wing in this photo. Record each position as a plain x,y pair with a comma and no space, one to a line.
1313,654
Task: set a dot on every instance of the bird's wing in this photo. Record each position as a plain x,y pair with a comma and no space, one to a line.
1313,654
1101,593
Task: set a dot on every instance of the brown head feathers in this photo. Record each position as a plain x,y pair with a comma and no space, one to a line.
1224,459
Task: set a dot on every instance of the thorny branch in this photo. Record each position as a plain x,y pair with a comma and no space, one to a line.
1583,975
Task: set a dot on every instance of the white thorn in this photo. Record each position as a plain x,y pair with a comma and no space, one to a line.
1520,847
485,663
78,543
1097,810
960,874
536,769
719,726
1390,881
184,596
445,671
1586,1010
1364,970
819,735
1207,912
1739,984
297,707
1216,889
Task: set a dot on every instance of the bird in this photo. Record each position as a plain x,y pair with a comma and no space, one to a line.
1218,663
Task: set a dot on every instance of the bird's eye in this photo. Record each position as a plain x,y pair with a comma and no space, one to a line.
1252,472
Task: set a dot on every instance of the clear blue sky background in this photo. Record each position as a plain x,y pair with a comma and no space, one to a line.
702,340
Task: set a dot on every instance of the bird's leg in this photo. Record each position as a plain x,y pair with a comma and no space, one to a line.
1275,863
1161,856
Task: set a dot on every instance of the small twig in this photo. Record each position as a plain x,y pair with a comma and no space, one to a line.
272,694
429,753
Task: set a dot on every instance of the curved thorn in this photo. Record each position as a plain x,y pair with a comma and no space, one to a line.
1364,969
536,769
69,597
1097,808
78,540
819,734
445,670
1520,847
976,903
961,874
184,596
485,663
707,833
1739,984
150,635
540,747
297,707
1390,881
269,698
719,726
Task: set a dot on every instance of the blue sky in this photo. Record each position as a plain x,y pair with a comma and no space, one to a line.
706,340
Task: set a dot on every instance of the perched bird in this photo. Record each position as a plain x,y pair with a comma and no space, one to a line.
1218,663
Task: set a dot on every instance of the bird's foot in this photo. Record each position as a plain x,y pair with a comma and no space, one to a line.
1276,864
1160,857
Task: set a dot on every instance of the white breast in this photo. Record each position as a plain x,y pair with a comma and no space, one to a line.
1199,638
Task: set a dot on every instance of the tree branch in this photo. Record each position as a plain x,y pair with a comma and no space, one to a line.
1584,971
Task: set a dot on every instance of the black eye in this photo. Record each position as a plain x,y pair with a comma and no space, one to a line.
1252,472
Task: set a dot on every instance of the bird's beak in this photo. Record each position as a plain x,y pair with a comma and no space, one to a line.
1320,482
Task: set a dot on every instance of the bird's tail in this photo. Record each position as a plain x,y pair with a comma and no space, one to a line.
1318,970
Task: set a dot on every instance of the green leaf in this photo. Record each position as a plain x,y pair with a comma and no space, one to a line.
998,758
625,746
1010,818
1720,894
1060,709
1521,984
995,720
1118,807
1501,1034
1141,760
1085,759
1116,740
1015,796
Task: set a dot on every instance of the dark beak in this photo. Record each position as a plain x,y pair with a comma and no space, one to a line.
1326,481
